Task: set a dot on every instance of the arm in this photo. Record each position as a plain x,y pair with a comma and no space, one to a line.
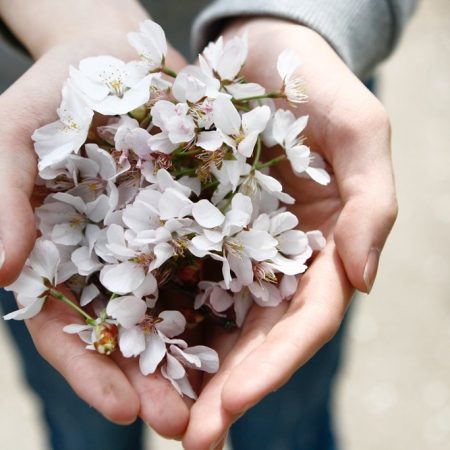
58,34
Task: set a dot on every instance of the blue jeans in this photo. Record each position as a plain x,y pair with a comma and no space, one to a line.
296,417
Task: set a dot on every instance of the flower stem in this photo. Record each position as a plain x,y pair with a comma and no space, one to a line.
258,97
257,155
169,71
272,162
186,171
62,297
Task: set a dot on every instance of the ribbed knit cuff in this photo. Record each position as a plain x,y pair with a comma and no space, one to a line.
361,31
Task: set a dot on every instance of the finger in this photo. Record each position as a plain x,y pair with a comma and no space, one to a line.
162,408
313,317
209,421
95,378
366,183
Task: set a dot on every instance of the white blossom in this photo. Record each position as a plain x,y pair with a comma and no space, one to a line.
56,141
240,133
109,85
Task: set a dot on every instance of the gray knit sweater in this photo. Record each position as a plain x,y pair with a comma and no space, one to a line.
363,32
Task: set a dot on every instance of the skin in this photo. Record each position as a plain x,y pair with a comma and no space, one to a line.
347,126
356,211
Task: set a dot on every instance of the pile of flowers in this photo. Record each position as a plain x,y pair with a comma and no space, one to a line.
157,185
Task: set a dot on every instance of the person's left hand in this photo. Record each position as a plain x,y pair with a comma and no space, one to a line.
349,129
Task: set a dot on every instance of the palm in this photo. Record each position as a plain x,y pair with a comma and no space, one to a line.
114,386
275,342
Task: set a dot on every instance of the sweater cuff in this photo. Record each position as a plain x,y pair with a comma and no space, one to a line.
361,31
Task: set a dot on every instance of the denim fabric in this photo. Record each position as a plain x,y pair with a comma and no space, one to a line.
296,417
72,424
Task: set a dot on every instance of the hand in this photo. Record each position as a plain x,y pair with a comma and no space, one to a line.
115,387
356,211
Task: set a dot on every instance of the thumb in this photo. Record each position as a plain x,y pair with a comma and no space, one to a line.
366,183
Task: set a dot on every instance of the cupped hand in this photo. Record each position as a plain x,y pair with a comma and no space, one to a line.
349,128
114,386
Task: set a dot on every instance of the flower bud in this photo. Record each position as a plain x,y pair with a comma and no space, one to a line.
107,338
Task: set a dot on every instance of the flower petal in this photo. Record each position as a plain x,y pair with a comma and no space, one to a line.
128,311
207,215
122,278
131,341
173,323
28,311
153,354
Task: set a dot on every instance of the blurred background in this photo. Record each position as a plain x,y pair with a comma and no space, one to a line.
394,389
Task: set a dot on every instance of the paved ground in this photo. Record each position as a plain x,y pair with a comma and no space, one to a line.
394,391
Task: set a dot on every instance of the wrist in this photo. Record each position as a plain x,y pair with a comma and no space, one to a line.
43,24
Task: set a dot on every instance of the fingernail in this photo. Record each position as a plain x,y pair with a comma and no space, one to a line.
2,254
371,267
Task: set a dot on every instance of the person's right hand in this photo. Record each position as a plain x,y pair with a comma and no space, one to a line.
114,386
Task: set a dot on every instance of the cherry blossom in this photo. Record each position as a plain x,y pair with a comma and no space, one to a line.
54,142
240,133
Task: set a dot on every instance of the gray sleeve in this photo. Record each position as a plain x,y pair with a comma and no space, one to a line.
363,32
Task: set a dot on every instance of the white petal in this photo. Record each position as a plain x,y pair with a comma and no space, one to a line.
67,234
174,368
174,204
232,58
282,222
153,354
321,176
209,140
147,287
85,262
208,357
294,131
259,245
122,278
88,294
131,341
292,242
220,300
242,303
173,323
207,215
288,286
268,183
247,145
316,240
163,252
298,157
76,328
191,361
244,90
128,311
45,259
286,265
226,116
288,62
282,120
241,265
256,120
106,164
27,312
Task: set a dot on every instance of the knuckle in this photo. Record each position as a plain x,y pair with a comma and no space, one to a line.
328,321
388,211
